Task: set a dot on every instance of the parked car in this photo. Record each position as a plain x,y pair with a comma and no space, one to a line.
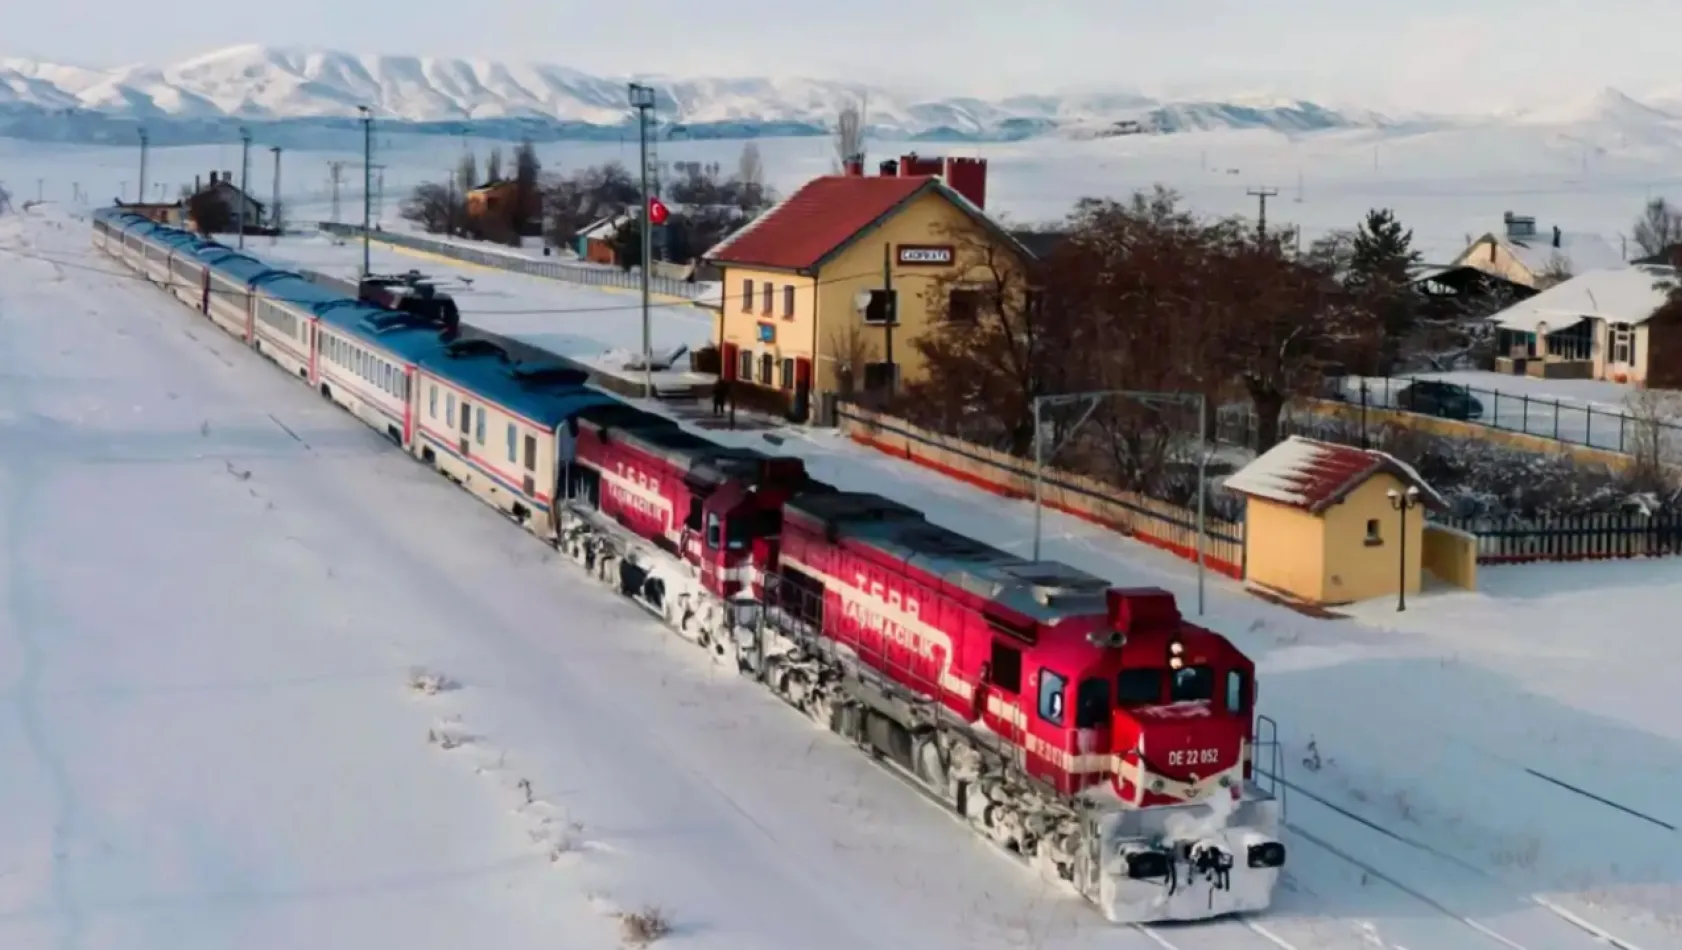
1435,398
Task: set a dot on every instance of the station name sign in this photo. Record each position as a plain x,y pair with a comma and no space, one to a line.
925,255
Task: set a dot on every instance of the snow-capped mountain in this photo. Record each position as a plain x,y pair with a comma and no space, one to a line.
263,84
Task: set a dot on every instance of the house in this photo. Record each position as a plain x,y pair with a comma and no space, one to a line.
495,199
1523,256
1600,325
223,188
828,290
599,240
1324,523
167,213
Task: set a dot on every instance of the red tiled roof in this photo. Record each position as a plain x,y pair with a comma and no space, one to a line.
1314,475
821,216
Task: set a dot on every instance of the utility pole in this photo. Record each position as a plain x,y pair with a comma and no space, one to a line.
244,176
274,200
367,191
145,143
642,100
890,308
379,189
1261,195
336,174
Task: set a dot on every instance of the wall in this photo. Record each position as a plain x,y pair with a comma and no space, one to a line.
1156,523
741,318
1286,549
1451,556
931,219
1357,570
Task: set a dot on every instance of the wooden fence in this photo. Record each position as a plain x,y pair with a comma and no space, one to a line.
1154,522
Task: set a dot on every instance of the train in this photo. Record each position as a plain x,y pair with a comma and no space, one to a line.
1090,731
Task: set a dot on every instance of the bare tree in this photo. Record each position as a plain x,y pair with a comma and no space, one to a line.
849,133
528,200
1558,271
433,206
1655,440
5,200
1658,229
750,175
851,348
210,213
467,173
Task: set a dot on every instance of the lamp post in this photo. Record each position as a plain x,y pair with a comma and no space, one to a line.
145,143
642,100
244,173
367,186
1403,502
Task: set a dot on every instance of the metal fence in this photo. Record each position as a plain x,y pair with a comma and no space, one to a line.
1548,418
553,270
1572,538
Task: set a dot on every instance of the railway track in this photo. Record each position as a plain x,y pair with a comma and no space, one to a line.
1443,882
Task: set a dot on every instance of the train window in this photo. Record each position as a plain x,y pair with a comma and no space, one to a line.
466,418
531,453
1235,698
1092,705
513,443
479,425
450,407
1192,684
1138,688
714,530
1007,667
432,401
1051,696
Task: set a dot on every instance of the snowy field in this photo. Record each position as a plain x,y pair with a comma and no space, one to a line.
1448,185
222,747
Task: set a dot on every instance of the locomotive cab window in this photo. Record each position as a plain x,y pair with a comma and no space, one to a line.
1007,667
714,531
1236,698
1192,684
735,533
1092,704
1138,688
1051,696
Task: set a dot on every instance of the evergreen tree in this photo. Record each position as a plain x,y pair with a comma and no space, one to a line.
1381,264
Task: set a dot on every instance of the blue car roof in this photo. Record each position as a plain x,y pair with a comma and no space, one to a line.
300,292
547,402
234,264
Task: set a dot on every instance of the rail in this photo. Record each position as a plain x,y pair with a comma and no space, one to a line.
517,263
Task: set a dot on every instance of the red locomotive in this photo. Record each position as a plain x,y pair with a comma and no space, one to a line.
1091,730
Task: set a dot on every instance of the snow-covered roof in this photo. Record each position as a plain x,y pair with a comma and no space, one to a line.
1314,475
1579,252
1617,295
606,228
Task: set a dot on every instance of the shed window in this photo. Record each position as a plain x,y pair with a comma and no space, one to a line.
747,296
1374,538
788,301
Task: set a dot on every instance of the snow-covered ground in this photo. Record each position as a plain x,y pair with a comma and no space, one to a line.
220,745
215,588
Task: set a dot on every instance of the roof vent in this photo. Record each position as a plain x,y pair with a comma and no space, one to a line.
475,347
549,374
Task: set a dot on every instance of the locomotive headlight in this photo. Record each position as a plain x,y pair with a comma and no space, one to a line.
1176,648
1174,663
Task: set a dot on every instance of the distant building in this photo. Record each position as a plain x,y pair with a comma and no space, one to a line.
1601,325
223,188
173,213
1523,255
495,199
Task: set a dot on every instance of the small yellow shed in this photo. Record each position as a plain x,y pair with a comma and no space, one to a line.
1333,524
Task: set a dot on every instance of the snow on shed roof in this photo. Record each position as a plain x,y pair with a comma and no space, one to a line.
1314,475
1618,295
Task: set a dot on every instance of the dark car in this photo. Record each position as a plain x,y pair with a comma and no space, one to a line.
1435,398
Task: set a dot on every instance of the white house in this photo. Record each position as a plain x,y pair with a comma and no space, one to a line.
1595,326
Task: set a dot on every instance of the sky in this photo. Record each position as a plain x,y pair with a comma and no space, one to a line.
1436,55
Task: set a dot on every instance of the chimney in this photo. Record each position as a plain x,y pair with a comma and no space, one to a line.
196,186
967,177
888,169
213,174
1556,235
228,177
854,166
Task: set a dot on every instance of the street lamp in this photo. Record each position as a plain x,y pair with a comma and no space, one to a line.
244,174
642,100
1403,501
1153,399
367,185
